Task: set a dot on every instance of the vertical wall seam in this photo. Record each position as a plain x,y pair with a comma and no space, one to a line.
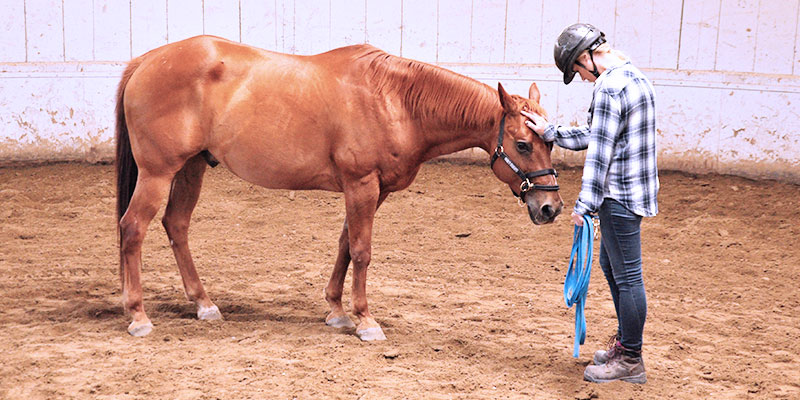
541,36
719,28
130,29
294,26
94,34
471,22
25,25
796,24
203,14
240,21
402,27
616,5
505,33
365,22
436,55
652,25
166,11
64,34
755,39
680,37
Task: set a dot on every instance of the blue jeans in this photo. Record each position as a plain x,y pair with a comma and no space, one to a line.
621,260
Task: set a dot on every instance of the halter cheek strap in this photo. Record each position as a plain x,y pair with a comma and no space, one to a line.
526,185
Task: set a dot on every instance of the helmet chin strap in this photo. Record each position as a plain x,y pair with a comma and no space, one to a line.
594,70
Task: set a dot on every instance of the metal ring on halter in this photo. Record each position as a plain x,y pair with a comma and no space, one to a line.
524,187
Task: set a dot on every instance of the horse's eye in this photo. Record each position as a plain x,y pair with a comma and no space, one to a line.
524,147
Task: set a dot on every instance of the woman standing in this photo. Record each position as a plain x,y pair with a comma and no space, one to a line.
620,182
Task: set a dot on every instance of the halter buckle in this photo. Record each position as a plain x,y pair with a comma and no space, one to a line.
524,187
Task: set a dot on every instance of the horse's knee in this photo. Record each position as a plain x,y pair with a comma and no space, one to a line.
360,255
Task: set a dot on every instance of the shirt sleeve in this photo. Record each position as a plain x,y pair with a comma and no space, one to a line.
601,141
568,137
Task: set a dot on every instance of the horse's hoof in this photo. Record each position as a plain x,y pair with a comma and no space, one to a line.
371,334
208,313
140,329
340,322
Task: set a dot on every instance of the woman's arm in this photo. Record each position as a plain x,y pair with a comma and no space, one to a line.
568,137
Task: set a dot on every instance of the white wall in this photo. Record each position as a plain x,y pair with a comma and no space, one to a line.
727,72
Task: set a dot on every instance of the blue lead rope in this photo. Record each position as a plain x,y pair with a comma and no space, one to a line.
576,283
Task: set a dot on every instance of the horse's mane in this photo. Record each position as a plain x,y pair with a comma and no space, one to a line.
433,95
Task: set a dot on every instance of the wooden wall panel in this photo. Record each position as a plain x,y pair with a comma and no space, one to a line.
112,31
699,33
44,31
312,30
666,34
489,31
348,22
455,31
259,23
221,18
634,30
184,19
738,22
419,30
776,19
384,25
12,32
78,37
148,25
524,33
556,15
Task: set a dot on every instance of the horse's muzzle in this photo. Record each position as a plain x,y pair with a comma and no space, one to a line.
546,211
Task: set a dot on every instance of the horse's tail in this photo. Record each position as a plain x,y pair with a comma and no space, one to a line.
126,169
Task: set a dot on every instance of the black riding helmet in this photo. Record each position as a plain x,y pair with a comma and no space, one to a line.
573,40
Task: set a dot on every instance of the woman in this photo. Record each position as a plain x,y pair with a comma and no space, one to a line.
620,182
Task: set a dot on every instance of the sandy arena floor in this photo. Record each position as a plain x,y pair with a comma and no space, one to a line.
468,291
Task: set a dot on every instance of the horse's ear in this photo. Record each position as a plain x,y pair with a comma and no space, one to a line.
533,93
505,99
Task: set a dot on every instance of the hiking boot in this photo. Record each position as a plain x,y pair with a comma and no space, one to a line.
623,368
614,349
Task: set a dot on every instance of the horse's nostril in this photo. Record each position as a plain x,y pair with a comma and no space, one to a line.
547,211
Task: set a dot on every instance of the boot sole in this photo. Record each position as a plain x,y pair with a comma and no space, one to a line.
640,379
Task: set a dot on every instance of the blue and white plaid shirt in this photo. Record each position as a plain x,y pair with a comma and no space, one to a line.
620,140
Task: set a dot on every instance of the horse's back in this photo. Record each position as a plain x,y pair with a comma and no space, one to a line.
242,103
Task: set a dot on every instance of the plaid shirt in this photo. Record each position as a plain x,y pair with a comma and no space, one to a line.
620,139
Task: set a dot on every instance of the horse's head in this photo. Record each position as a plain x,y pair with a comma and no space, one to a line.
522,159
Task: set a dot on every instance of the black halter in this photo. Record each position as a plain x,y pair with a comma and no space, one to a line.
526,177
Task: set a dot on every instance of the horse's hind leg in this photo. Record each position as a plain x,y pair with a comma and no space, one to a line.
333,292
182,200
147,197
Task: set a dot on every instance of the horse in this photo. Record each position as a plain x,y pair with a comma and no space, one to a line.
355,120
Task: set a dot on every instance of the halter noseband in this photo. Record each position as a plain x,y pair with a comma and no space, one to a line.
526,185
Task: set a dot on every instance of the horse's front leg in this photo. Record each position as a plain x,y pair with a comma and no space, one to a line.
362,197
337,318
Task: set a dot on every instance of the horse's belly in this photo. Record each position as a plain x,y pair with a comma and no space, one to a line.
262,158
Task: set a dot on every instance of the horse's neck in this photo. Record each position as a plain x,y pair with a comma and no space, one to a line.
454,112
442,140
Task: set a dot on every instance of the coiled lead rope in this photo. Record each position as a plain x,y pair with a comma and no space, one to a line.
576,283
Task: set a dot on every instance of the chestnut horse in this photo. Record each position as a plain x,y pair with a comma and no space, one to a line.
355,120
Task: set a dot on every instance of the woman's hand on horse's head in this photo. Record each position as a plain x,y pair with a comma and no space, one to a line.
535,122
